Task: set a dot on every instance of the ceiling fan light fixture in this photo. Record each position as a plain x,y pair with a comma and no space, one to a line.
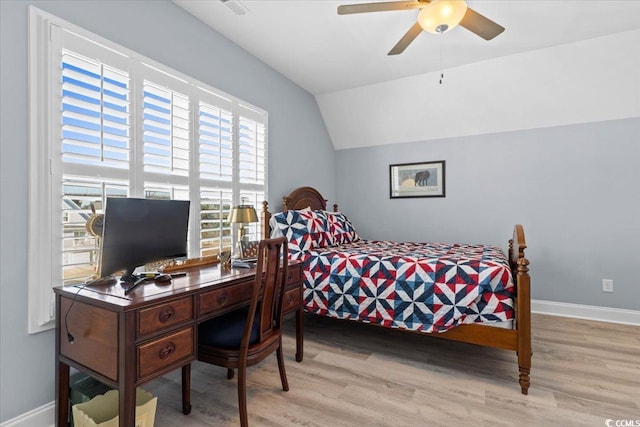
441,16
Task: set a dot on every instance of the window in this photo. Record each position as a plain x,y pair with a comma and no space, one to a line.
106,122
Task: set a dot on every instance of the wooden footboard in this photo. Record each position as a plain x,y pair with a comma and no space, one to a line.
517,339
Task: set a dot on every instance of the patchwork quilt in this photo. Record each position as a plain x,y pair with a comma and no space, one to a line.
427,287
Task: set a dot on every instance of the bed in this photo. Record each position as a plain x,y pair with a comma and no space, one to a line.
469,293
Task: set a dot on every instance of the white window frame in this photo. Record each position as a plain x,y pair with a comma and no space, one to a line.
45,172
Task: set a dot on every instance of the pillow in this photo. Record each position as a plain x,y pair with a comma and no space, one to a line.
273,224
341,228
318,227
293,226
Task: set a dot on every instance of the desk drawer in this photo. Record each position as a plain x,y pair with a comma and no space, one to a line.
294,275
292,299
220,299
162,316
166,353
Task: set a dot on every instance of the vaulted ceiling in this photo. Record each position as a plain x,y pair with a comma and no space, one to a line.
323,52
369,98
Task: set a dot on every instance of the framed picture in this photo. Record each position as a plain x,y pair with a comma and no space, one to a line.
250,249
423,179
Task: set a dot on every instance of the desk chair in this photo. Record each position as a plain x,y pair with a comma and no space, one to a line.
246,336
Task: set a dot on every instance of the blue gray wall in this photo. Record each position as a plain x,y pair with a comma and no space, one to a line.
300,151
576,190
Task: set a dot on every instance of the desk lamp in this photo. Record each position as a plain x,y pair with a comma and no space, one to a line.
242,214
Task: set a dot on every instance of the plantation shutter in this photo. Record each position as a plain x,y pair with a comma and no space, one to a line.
95,146
166,126
112,123
251,162
95,113
215,230
252,148
215,143
216,172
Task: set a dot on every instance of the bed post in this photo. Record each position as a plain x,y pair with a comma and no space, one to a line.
520,271
265,216
523,322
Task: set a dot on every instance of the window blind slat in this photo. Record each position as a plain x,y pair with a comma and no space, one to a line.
95,113
216,155
251,151
167,130
215,230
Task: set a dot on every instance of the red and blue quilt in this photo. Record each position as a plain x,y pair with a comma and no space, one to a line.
426,287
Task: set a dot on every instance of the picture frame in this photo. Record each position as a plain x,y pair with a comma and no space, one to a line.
420,179
250,249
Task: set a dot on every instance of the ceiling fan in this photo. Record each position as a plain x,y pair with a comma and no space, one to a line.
437,16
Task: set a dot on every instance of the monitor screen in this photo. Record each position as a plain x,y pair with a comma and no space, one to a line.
140,231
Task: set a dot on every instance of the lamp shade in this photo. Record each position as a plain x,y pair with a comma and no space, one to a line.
243,214
440,16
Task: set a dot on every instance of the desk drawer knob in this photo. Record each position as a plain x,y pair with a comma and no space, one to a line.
289,298
222,298
167,350
166,314
289,276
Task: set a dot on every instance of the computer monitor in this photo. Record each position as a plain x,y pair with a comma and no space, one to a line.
141,231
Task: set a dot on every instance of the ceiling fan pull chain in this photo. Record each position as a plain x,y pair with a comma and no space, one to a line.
441,69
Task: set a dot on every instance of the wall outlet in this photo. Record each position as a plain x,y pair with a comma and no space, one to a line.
607,285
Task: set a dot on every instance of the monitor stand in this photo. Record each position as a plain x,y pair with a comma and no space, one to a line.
128,277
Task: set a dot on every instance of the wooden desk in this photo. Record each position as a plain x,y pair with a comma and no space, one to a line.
126,341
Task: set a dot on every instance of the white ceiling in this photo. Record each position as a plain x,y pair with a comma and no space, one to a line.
312,45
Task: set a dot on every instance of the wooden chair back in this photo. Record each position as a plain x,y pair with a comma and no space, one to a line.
268,291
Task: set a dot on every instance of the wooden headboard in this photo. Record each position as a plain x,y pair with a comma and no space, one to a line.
304,197
300,198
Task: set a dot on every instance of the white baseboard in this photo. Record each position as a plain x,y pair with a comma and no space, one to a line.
44,416
589,312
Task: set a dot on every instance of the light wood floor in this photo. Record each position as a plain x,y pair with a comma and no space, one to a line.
582,373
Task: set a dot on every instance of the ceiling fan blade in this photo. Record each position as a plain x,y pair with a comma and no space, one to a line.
480,25
380,7
406,39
